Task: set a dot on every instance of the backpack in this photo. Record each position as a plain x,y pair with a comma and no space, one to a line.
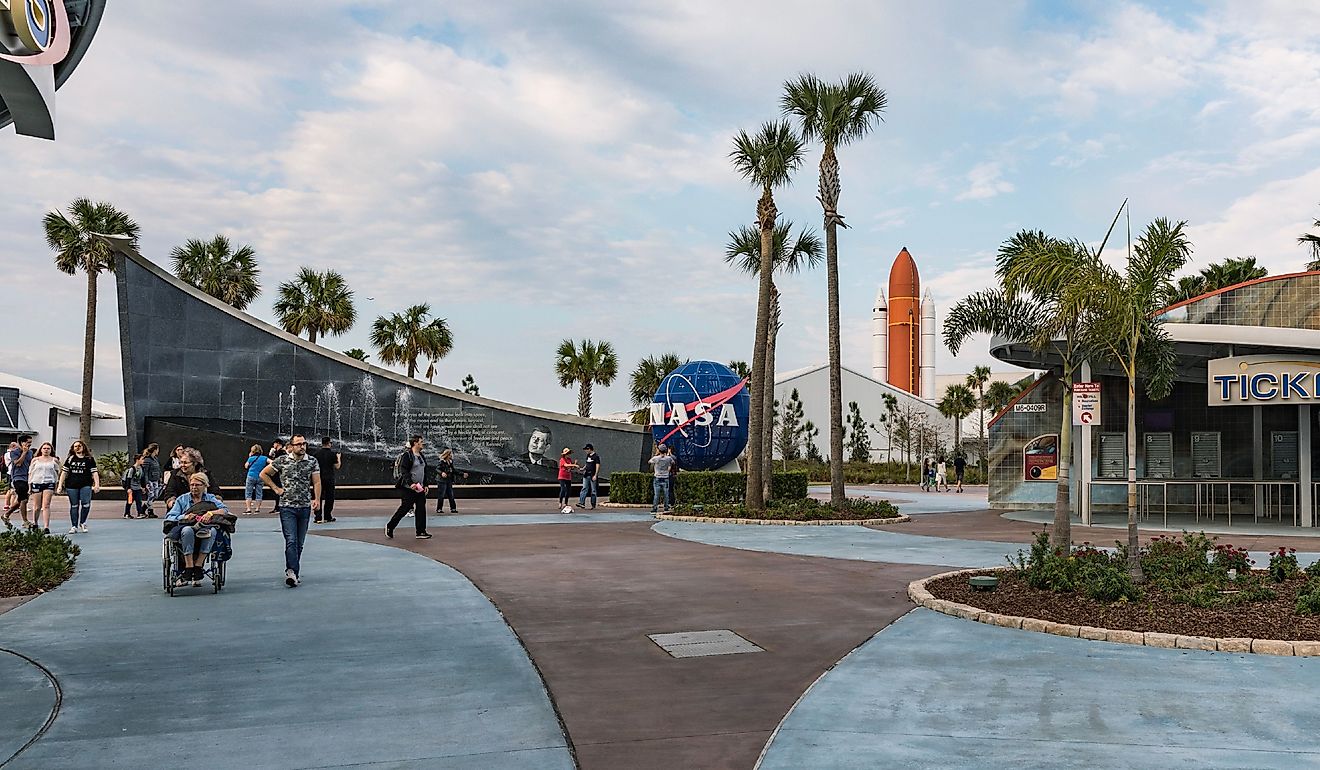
126,478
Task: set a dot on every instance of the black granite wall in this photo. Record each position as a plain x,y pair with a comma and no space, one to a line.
190,360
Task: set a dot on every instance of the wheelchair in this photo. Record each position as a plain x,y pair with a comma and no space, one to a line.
171,557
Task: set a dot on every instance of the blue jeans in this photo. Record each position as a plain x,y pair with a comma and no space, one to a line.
588,485
80,504
660,487
254,488
187,539
293,521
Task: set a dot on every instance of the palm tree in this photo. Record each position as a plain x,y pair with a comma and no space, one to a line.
217,269
767,160
789,255
357,353
741,369
1034,308
836,114
645,381
1218,275
957,403
76,248
977,381
470,386
1128,330
1312,242
402,338
317,303
585,364
998,395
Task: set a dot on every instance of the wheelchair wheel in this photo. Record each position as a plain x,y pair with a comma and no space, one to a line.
217,574
165,565
223,568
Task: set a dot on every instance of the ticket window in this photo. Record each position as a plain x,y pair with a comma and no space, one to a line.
1159,455
1111,459
1283,454
1206,454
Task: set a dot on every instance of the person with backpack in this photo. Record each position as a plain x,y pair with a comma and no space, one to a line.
19,461
410,478
134,482
154,474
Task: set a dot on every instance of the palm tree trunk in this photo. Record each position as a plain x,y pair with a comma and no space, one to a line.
311,336
89,365
1134,548
981,447
412,368
1061,533
584,398
765,217
829,200
768,400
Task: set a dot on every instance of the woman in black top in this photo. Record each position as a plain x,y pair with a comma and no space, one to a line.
190,462
444,485
79,480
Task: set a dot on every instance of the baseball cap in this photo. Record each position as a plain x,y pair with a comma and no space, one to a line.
660,446
588,446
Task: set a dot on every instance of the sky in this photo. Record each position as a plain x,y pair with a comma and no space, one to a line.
547,171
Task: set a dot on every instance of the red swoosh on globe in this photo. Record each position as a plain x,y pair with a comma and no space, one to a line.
714,401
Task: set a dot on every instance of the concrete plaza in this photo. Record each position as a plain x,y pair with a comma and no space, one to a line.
518,637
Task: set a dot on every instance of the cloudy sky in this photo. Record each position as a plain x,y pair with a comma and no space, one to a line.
540,171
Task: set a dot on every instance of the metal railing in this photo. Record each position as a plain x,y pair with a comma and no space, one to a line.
1264,499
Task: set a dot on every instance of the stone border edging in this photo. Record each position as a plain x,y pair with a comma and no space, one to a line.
922,597
788,522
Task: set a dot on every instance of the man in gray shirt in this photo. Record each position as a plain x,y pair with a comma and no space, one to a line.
660,466
299,489
411,479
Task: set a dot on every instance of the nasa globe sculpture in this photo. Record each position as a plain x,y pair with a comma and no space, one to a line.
700,412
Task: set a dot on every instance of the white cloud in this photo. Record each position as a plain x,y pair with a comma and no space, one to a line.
985,180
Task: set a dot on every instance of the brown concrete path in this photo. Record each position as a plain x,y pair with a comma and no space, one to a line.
584,597
990,525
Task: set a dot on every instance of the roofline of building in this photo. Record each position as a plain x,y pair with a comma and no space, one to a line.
1252,282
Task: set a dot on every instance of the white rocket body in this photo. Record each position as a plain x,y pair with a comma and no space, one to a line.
927,371
880,337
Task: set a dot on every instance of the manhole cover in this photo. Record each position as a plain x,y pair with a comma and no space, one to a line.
695,644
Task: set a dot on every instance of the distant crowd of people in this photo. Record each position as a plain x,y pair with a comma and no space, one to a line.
935,474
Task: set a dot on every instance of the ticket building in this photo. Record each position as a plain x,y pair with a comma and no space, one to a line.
1234,442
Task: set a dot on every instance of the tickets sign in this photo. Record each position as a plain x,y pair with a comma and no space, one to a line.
1264,379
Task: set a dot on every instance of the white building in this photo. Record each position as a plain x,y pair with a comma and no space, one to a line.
47,413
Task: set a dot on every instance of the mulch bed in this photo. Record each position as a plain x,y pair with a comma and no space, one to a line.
1155,612
11,578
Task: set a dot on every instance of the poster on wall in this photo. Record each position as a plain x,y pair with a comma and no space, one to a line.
1040,458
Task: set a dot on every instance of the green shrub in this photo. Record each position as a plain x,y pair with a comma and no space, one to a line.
1308,599
703,487
805,509
1229,557
1313,569
52,557
1107,582
1085,569
1176,564
1283,564
111,466
875,473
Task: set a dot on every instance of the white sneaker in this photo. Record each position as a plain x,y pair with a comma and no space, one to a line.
290,579
83,528
409,515
73,530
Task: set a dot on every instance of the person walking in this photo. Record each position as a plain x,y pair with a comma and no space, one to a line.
277,451
329,460
444,482
959,468
590,477
566,466
299,489
155,476
20,460
5,468
79,480
410,477
661,465
941,475
43,477
253,488
134,480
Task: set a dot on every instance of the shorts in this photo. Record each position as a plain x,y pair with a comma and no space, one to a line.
958,474
20,489
47,486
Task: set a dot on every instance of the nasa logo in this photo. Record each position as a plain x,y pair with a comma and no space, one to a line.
31,22
700,411
34,37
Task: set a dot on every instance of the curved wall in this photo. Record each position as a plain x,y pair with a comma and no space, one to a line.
193,362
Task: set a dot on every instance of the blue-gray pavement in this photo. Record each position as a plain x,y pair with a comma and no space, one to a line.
29,699
614,516
933,691
382,658
914,502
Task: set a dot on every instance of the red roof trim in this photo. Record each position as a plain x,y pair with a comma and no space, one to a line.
1009,406
1252,282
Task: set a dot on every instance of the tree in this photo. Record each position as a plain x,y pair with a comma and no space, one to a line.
217,269
1126,328
976,381
470,386
859,439
890,422
809,435
958,402
317,303
403,338
585,364
998,395
1037,307
357,353
767,160
73,239
836,114
1217,275
788,439
741,369
1312,242
645,381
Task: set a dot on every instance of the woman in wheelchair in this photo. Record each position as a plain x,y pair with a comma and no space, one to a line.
192,523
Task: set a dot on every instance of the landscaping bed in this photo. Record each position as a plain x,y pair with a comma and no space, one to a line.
1194,586
32,562
807,509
